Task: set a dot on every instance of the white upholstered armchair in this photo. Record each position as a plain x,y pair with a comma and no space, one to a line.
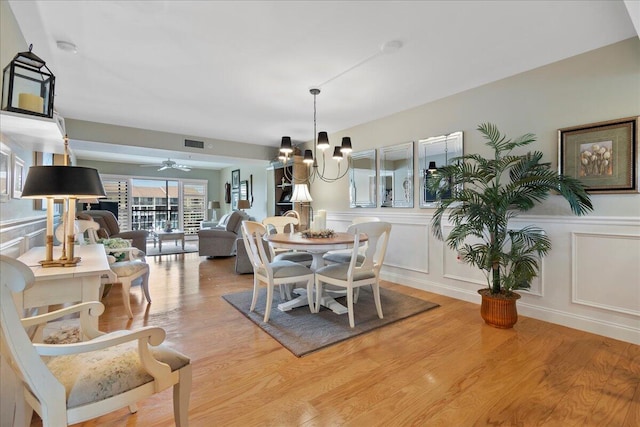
70,383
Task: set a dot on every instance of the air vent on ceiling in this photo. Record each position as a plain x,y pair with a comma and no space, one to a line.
193,144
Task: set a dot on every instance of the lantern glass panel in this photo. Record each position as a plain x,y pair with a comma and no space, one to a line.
26,90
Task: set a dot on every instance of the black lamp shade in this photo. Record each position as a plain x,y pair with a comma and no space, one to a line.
337,154
308,156
323,140
285,145
62,181
346,148
27,88
432,167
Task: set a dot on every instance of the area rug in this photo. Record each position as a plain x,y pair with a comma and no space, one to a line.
169,248
302,332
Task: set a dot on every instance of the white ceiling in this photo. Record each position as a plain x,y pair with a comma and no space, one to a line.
241,71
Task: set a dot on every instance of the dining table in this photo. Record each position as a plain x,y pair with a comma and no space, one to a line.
317,247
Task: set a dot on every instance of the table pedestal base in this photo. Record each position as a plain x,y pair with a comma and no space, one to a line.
301,301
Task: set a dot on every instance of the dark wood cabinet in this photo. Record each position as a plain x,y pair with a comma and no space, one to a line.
284,176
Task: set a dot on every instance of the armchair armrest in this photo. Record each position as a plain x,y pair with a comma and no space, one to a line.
149,335
93,308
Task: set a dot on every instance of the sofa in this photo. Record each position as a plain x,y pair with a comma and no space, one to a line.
109,228
221,239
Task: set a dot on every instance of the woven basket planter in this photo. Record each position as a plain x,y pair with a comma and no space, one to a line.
499,310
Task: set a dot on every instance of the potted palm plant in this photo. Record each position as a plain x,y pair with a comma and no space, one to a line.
485,194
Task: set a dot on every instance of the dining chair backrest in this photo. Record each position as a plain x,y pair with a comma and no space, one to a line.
292,213
361,219
283,224
252,233
250,229
82,226
377,240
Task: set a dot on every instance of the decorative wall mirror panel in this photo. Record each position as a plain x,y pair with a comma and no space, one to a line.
436,152
396,176
363,180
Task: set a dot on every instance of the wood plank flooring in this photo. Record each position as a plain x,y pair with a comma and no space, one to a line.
444,367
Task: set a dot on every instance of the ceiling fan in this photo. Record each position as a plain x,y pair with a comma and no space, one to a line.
168,164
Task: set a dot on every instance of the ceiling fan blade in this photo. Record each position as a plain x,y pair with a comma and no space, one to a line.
148,166
183,168
165,167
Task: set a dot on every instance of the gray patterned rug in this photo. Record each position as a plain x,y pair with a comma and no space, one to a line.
302,332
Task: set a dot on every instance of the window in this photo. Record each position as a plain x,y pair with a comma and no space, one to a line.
148,203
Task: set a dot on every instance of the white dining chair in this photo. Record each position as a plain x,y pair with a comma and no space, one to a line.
71,383
132,267
344,255
272,273
351,276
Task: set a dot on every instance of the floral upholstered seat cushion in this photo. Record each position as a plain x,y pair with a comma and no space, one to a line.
97,375
128,268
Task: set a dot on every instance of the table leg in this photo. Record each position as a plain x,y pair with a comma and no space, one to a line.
159,244
183,242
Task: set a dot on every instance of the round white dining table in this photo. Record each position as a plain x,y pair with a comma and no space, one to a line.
317,247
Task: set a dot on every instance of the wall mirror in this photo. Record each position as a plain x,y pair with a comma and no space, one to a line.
363,179
436,152
396,176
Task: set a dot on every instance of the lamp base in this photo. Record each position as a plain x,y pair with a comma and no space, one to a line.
61,262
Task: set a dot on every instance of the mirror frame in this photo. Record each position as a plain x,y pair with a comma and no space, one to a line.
372,187
431,150
407,180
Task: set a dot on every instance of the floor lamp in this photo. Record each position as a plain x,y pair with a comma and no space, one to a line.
69,183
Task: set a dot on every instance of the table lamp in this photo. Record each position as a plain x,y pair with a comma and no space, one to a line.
88,202
69,183
301,195
243,204
212,207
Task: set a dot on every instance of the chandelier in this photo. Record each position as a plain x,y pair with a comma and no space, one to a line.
316,159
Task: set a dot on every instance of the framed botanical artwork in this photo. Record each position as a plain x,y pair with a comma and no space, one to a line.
235,179
5,173
603,156
18,176
235,196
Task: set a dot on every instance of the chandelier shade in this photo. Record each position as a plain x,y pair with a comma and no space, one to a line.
285,145
346,148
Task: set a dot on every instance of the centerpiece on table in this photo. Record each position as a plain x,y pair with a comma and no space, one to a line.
167,227
318,234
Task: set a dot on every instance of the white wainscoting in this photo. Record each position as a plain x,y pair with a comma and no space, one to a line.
606,282
18,236
589,281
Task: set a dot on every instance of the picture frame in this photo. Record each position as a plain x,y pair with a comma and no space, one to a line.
235,196
5,173
603,155
244,190
18,176
235,179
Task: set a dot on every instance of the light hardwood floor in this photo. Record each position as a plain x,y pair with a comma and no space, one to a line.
444,367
